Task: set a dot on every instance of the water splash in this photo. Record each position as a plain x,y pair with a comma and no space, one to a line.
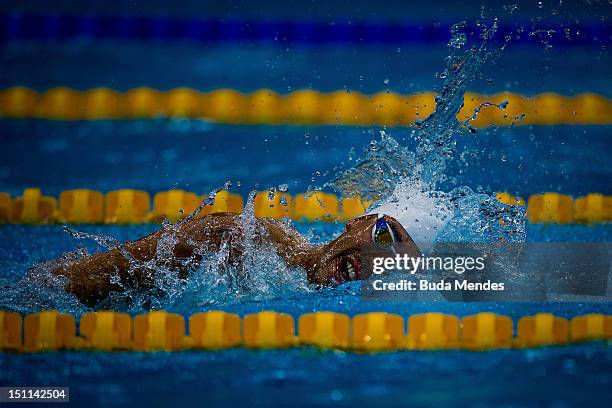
375,177
437,133
211,282
214,281
405,184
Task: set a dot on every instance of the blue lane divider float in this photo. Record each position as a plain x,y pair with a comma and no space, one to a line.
16,26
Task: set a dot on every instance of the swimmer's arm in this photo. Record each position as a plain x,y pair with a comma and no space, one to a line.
289,244
91,278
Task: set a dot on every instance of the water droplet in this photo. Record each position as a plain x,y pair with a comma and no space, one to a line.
271,193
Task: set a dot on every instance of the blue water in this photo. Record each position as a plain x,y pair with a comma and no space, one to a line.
557,376
199,156
572,376
195,155
247,67
343,10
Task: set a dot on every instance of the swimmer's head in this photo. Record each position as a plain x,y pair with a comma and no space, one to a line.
340,260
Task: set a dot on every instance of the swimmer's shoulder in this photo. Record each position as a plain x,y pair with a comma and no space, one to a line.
211,223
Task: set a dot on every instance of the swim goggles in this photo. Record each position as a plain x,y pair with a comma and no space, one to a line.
383,235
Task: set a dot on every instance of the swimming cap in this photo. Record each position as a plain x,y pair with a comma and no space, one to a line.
420,213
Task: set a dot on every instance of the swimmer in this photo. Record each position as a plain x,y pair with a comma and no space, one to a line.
90,278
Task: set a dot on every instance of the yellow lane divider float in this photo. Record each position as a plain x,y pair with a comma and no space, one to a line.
378,331
325,329
49,330
159,331
369,332
133,206
433,331
302,107
214,330
486,331
268,330
542,329
106,330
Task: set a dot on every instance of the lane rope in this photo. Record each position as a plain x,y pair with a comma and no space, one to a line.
302,107
51,330
128,206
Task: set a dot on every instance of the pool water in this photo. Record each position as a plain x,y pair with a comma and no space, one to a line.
199,156
563,376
